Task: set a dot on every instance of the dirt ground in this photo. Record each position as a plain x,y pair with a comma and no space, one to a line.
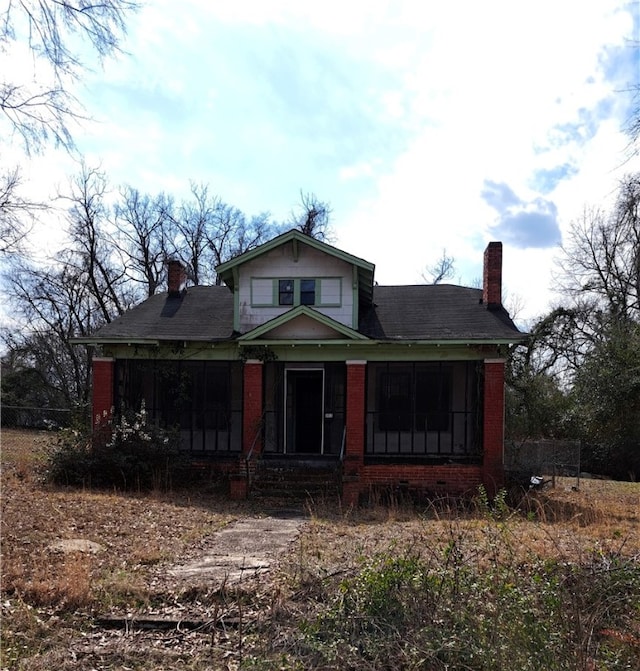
104,580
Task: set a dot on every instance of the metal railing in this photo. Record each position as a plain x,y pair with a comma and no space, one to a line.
457,434
274,433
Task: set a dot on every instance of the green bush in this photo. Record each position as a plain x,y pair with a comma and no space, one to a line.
128,454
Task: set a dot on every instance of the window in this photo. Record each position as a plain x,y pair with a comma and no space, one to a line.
307,292
285,292
296,292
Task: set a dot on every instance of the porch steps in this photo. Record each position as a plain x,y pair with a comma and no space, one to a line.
295,481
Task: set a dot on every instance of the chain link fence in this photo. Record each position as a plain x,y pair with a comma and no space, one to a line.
534,462
51,419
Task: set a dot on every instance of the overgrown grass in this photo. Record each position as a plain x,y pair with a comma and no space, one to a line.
550,584
464,590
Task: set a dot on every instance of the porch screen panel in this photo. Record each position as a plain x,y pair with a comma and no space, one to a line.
394,399
334,406
201,399
273,436
422,409
432,398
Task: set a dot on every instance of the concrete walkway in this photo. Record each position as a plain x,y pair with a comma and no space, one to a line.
244,548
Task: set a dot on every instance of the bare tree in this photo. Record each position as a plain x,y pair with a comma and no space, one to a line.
54,304
193,221
145,232
211,232
90,258
40,110
17,212
601,261
589,346
442,269
312,217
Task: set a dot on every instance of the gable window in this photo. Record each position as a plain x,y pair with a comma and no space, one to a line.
307,292
291,291
285,292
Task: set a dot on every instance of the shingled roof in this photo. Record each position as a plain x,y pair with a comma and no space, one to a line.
434,312
199,314
418,312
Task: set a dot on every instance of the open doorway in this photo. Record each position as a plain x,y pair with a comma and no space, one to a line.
304,411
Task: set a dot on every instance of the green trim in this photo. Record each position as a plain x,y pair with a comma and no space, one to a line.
153,342
236,301
343,350
227,351
298,311
356,303
306,351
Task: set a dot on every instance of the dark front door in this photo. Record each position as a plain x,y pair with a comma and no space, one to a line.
304,411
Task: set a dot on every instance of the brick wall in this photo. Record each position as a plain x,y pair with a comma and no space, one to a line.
252,407
102,391
493,429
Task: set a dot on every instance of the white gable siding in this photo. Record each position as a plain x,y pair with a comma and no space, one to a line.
256,284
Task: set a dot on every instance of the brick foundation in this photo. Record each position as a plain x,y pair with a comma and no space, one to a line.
452,479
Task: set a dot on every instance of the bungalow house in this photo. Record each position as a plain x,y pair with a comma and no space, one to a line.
300,358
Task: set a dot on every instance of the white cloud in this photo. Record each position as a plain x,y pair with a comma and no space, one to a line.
397,112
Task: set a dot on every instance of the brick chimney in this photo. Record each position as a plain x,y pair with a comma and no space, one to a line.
177,280
492,276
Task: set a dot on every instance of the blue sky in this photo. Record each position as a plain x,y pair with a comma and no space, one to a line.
426,125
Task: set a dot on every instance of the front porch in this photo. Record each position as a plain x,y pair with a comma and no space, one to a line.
422,424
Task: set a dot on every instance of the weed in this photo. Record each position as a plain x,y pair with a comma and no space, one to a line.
65,584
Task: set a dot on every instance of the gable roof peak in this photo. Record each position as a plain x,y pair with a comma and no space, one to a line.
365,270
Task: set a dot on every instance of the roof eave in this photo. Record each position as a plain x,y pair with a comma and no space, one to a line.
95,340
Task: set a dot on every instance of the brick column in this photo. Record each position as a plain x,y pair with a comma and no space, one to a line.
355,434
102,391
252,407
493,429
354,447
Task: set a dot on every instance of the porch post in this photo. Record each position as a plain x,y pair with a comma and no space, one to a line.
252,407
102,390
493,429
355,433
